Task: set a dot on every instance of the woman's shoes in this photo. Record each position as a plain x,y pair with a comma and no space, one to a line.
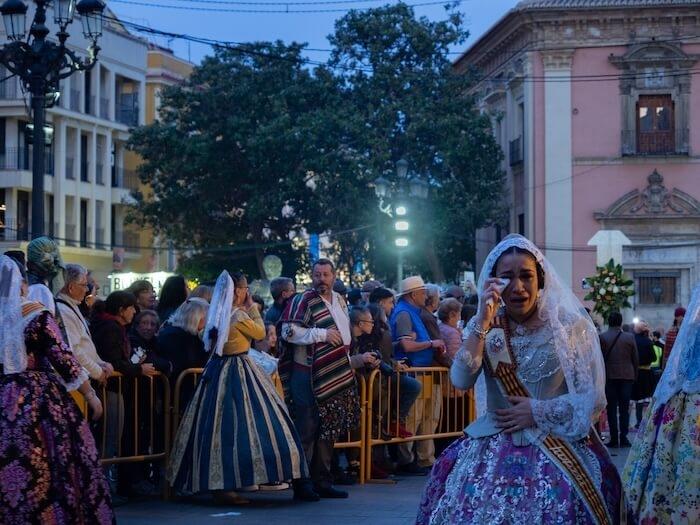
223,497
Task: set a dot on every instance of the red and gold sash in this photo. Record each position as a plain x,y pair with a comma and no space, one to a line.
501,364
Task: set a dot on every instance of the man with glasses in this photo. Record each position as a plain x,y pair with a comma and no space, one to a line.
77,329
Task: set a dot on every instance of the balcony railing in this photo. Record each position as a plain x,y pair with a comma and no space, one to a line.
125,179
127,115
85,234
673,142
71,238
515,151
70,168
9,90
21,159
104,108
14,230
99,177
75,100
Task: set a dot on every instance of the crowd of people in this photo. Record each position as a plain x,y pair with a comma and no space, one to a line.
541,370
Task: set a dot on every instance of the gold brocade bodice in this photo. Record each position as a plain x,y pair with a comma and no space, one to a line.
246,326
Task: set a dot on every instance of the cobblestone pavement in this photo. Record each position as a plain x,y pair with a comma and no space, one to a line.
371,504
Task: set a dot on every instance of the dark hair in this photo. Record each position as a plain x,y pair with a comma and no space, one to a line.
237,278
379,294
259,300
279,285
172,294
468,311
656,334
145,313
118,300
517,250
323,262
355,297
379,324
615,320
137,287
356,312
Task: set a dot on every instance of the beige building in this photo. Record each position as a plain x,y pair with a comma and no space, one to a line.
89,175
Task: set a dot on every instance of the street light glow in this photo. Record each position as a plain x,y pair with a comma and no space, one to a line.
401,211
401,226
401,242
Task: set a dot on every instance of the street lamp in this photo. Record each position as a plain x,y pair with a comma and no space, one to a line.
416,188
41,64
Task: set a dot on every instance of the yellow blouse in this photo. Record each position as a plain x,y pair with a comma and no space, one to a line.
245,327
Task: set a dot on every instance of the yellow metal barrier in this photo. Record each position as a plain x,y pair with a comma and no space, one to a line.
112,396
440,407
358,443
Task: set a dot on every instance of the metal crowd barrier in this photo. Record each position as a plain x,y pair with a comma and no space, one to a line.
439,405
114,395
379,413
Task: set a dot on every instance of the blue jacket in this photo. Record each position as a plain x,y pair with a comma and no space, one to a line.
423,357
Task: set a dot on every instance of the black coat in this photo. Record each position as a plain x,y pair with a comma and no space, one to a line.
152,353
644,349
182,349
113,346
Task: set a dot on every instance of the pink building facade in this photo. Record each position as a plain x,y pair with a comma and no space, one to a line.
597,107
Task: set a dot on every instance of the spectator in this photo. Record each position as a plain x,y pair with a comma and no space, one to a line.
455,292
144,293
281,289
68,302
144,343
93,290
340,288
354,297
672,333
468,311
627,328
367,288
428,315
414,343
173,293
658,347
203,291
179,341
621,365
449,314
110,337
384,298
644,385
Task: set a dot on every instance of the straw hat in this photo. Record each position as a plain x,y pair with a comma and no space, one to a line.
411,284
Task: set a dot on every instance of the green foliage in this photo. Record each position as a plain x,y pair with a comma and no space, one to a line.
610,289
252,148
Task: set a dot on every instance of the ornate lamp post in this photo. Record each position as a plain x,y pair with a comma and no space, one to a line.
417,188
41,64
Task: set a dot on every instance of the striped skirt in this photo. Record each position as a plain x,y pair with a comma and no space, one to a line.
236,432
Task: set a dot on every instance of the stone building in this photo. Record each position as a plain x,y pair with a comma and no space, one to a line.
596,104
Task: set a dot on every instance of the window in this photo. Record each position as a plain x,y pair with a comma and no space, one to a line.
655,125
521,224
657,288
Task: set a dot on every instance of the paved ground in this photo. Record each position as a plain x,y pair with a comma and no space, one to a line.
371,504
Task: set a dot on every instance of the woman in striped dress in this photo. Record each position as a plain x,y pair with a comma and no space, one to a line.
236,431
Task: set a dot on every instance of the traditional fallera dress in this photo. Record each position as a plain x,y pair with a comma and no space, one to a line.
557,471
662,473
49,466
236,431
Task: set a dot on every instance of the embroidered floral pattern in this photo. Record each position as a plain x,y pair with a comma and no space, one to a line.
662,470
49,470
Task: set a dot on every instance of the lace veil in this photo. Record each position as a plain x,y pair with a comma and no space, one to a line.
219,315
682,372
575,340
13,352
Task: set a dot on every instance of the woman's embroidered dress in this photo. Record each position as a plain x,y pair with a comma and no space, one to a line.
49,466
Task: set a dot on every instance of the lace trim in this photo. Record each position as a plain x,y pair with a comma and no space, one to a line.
75,384
535,353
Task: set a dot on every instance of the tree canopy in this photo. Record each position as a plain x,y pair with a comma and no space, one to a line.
256,147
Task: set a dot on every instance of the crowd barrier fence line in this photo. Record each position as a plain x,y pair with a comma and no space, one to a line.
379,413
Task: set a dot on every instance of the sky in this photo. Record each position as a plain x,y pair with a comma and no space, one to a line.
312,28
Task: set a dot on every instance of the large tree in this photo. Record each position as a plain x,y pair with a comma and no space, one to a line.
226,163
404,101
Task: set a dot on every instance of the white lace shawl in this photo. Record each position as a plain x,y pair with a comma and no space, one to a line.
577,346
13,352
682,371
219,314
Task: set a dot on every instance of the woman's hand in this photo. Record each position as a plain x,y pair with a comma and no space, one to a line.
248,303
489,301
370,360
95,406
148,369
517,417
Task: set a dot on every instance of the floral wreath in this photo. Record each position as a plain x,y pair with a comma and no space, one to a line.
610,290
